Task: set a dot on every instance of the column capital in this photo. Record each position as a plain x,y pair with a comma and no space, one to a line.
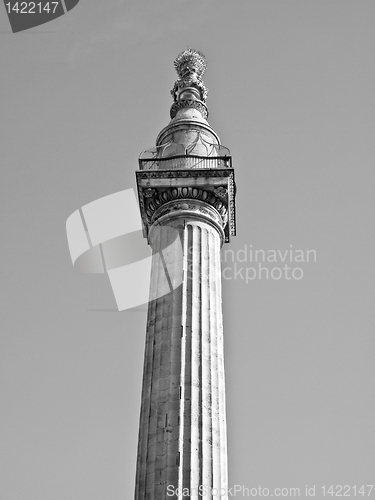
204,193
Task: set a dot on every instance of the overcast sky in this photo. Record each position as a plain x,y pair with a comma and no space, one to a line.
291,94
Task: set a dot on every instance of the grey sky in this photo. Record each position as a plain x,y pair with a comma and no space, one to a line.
291,93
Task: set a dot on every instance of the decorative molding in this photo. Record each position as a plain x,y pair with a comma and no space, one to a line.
189,82
221,191
213,189
149,193
189,103
186,206
164,196
232,207
194,173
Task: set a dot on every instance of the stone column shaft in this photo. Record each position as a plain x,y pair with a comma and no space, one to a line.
182,437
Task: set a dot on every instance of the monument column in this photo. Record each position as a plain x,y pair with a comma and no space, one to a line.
186,194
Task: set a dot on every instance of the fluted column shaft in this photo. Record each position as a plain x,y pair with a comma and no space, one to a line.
182,437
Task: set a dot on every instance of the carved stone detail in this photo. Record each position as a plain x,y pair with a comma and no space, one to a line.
189,103
190,61
190,66
189,82
204,186
220,191
149,193
186,193
194,173
232,222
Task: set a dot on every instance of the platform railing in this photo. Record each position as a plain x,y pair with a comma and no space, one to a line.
185,162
